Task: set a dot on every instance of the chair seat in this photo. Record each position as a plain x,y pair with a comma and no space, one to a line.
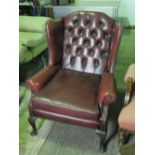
127,117
70,93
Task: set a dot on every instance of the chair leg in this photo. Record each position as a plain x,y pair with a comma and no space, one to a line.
32,120
103,141
122,137
102,132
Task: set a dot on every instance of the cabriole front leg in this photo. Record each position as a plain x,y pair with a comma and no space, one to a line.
32,121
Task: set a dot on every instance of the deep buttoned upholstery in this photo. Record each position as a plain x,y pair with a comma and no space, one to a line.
78,84
87,40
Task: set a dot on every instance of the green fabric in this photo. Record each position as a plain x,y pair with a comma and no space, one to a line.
31,39
22,48
32,24
26,56
37,50
21,91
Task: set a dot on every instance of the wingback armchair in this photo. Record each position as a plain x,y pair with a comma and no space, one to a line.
78,84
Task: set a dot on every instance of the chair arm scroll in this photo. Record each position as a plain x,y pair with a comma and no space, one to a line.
107,89
36,82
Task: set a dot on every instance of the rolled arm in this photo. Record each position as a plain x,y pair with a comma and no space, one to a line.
36,82
107,89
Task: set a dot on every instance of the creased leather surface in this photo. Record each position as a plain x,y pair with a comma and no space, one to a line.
71,93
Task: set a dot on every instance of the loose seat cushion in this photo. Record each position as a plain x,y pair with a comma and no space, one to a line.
70,93
31,39
24,54
127,117
32,24
22,48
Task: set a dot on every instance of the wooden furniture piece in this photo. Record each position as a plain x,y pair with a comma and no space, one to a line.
78,84
127,115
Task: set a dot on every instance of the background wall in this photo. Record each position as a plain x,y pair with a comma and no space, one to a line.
126,10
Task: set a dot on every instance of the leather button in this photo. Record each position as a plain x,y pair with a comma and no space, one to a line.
84,61
75,21
81,32
69,31
67,49
72,60
93,33
101,24
96,63
78,51
91,53
107,36
74,40
86,42
87,23
99,44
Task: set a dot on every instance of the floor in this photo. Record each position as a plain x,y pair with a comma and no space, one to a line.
55,138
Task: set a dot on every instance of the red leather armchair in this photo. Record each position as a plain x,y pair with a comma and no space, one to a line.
78,85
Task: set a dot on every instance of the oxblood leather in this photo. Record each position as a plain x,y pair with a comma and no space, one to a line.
67,119
71,93
87,41
85,44
36,82
54,35
107,89
115,42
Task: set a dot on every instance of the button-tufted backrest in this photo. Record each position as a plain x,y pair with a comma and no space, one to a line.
87,40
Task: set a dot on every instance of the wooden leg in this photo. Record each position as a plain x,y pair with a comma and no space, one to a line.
122,137
102,145
102,132
32,120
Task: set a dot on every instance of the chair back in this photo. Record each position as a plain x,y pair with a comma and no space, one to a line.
91,41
